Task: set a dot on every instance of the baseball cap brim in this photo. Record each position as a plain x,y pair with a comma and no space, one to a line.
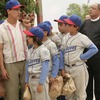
28,33
18,6
60,21
69,22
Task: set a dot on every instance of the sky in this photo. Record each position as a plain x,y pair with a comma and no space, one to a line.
53,9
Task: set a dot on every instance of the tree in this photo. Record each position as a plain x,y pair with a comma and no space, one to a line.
81,11
74,9
30,5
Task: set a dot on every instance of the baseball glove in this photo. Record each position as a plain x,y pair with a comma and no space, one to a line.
69,86
56,88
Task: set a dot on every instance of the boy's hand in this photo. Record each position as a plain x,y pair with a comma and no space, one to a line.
39,88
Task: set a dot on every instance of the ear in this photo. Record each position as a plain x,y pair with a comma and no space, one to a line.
77,27
8,11
45,33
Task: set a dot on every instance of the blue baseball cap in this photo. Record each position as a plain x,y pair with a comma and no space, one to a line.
44,27
74,20
13,4
35,31
61,19
1,21
48,22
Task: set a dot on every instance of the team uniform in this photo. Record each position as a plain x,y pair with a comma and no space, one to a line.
36,57
54,63
57,39
73,47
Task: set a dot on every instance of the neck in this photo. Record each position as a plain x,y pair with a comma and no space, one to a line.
45,38
73,33
95,19
12,21
36,46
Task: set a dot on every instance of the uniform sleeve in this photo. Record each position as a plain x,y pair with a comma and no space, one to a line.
61,65
45,54
63,45
44,72
86,41
92,50
56,39
53,49
55,67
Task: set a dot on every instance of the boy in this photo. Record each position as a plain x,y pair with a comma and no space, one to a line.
51,46
73,59
38,65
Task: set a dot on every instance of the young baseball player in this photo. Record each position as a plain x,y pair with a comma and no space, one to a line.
51,46
73,59
38,65
62,27
57,38
51,34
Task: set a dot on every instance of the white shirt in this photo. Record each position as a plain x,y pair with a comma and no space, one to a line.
14,42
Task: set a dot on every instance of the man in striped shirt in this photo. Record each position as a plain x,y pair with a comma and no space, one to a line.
13,51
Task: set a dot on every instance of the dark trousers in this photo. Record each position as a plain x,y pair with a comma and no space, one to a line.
1,98
94,74
61,98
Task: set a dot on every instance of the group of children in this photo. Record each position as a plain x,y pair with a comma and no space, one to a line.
61,52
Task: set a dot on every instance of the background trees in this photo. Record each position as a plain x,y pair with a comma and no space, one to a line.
82,10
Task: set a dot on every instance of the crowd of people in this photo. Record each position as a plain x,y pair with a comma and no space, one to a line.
33,56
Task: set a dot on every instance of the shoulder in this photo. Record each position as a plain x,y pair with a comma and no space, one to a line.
84,38
44,50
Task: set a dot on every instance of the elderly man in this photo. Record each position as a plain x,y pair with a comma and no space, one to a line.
91,28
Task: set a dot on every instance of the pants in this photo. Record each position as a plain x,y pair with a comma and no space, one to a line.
16,72
44,95
80,77
2,98
94,74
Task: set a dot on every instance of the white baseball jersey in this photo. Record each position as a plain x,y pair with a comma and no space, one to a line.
36,57
57,39
74,47
51,46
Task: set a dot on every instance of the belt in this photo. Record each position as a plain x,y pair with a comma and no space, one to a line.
70,65
33,77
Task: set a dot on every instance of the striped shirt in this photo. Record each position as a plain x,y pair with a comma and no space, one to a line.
14,42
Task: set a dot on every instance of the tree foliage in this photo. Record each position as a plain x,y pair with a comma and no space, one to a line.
30,5
81,11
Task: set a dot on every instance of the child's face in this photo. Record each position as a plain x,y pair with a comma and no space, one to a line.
61,27
71,28
29,40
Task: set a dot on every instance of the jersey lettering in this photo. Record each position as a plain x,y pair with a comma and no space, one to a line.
34,62
70,49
